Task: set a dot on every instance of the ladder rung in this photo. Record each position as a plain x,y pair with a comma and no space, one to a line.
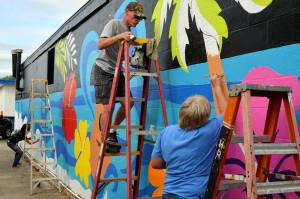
43,149
117,179
43,135
280,176
124,127
256,138
44,163
141,72
39,80
231,184
278,187
122,153
133,99
40,107
269,149
40,94
45,178
41,121
145,132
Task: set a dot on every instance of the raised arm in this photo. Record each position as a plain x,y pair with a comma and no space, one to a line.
215,81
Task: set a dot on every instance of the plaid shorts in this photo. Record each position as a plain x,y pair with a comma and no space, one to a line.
103,85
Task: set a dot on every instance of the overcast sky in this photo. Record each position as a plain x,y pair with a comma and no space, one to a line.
27,24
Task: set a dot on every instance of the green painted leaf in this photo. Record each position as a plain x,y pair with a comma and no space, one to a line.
60,58
262,2
156,16
210,11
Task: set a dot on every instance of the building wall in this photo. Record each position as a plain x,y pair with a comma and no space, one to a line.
7,98
253,42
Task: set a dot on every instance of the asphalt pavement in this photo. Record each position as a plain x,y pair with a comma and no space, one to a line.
11,185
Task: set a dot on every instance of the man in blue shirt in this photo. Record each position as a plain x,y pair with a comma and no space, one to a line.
187,150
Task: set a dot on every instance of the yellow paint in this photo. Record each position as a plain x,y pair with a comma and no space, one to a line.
157,17
82,152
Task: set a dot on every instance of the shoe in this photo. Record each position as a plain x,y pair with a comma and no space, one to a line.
16,165
112,148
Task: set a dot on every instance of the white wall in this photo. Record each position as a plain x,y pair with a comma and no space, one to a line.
7,99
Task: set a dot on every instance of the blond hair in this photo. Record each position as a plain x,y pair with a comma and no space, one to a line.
194,112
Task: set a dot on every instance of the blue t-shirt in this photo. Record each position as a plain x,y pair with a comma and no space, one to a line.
188,156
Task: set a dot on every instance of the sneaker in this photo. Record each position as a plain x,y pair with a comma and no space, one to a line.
16,165
112,148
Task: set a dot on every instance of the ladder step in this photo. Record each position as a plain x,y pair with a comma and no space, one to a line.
256,138
45,179
231,184
278,187
140,72
41,121
123,153
43,135
117,179
280,176
40,94
132,99
145,132
39,80
43,149
268,149
124,127
44,163
40,107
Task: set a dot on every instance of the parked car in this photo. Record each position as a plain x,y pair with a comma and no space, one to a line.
6,127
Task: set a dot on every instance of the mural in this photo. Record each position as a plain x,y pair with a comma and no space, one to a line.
75,113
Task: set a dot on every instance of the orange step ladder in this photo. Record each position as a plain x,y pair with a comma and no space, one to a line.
123,54
264,146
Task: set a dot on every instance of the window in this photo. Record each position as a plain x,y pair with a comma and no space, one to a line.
50,69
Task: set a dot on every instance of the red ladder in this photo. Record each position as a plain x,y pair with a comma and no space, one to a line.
256,145
123,54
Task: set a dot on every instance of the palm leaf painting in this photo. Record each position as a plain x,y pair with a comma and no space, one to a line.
208,21
71,51
60,58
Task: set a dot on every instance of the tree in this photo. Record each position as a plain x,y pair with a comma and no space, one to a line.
9,77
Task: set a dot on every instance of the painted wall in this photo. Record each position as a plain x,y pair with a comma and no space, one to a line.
250,41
